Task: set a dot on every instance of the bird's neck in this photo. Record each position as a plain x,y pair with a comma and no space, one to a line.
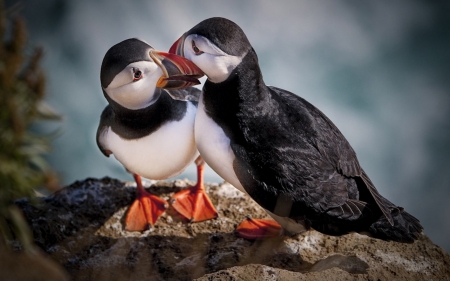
245,85
238,98
150,118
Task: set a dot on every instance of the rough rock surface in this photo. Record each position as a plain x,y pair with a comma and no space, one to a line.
81,227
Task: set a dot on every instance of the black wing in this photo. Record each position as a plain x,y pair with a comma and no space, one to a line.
105,123
334,146
296,151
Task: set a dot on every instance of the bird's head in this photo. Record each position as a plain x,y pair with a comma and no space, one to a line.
132,70
215,45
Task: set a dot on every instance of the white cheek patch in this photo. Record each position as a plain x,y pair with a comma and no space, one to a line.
120,79
138,94
219,68
214,62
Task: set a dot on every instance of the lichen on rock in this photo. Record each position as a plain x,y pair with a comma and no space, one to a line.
81,227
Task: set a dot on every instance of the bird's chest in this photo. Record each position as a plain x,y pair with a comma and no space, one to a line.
214,146
164,153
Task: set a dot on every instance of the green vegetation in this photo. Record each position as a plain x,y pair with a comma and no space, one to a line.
22,166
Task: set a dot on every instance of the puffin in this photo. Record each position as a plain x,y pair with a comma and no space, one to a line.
148,125
280,149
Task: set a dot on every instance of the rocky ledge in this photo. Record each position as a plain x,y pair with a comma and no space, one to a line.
81,228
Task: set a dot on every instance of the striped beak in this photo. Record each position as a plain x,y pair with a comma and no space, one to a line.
179,72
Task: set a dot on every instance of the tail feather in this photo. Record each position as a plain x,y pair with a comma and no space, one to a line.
382,202
406,227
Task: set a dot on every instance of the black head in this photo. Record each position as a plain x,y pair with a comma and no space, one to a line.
224,33
215,45
121,55
132,70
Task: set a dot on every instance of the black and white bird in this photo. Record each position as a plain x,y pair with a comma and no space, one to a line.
147,130
278,148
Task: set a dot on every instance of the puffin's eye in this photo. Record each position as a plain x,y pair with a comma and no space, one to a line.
137,74
196,49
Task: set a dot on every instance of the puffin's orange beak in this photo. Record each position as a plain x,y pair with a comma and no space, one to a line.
179,72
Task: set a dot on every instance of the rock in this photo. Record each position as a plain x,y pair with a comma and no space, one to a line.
29,266
81,227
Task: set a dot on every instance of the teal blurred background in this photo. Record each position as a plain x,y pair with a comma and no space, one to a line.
379,69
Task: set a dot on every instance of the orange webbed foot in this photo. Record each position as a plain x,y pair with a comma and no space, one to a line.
145,210
258,229
193,203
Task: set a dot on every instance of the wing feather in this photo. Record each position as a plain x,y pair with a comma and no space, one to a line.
317,157
105,123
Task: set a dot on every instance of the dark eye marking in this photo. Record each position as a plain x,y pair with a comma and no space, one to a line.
137,74
196,50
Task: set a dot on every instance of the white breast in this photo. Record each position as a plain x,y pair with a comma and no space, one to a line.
214,146
164,153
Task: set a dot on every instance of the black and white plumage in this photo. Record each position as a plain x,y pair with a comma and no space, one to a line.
144,126
146,130
277,147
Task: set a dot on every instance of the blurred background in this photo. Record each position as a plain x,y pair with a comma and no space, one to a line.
380,70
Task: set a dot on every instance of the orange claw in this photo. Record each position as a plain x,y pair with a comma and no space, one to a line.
193,203
258,229
145,210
